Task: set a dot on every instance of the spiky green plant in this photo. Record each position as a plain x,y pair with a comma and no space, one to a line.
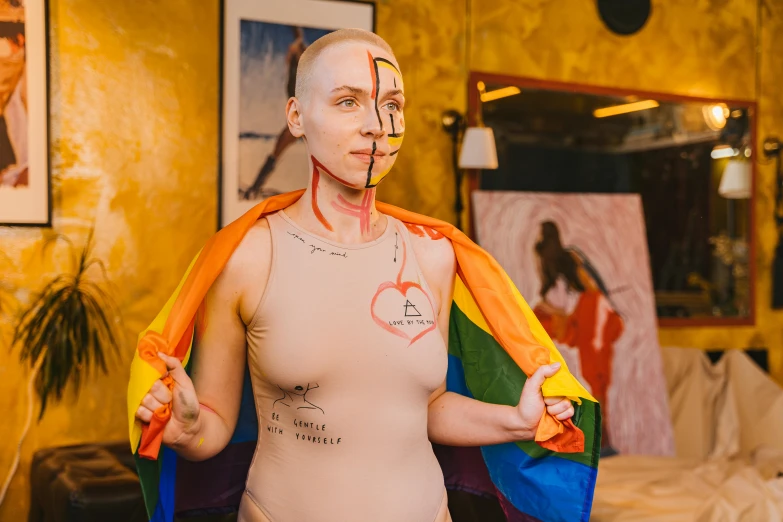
67,328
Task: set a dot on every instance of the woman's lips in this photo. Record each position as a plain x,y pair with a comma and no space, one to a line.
366,156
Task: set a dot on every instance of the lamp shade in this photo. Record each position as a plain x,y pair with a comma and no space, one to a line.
735,183
478,149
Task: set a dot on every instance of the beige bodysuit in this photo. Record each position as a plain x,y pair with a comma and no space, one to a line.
344,352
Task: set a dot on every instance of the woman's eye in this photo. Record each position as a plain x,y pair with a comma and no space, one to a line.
392,106
348,103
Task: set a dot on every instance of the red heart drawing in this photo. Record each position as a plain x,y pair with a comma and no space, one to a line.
402,288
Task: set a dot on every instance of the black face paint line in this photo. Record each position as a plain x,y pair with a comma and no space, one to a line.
377,113
375,74
394,134
384,60
376,91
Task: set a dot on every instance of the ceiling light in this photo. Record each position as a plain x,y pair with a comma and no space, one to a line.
499,93
625,108
723,151
715,115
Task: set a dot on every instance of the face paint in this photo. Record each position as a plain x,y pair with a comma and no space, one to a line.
359,211
347,117
420,230
396,129
317,167
362,211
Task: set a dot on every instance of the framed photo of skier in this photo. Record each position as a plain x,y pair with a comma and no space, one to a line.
262,43
25,197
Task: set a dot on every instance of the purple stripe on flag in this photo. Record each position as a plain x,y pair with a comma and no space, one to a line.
512,513
464,470
214,483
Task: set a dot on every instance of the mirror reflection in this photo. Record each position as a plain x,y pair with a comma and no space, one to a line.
689,160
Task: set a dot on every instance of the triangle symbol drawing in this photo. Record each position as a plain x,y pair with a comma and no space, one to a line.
408,313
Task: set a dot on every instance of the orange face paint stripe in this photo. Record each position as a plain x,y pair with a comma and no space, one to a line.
372,75
316,210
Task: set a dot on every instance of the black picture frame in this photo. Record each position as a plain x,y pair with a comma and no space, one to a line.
18,207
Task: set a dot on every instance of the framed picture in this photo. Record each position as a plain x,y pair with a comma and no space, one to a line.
581,262
25,197
262,43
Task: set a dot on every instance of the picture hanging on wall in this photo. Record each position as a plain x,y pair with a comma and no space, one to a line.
262,44
25,197
581,262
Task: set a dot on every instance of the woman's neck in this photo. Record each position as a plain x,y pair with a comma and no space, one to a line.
330,209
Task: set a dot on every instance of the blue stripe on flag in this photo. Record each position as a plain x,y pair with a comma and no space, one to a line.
164,510
455,377
550,489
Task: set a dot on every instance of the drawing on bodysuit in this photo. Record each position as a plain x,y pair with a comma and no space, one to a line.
408,313
402,287
421,230
297,398
396,244
315,249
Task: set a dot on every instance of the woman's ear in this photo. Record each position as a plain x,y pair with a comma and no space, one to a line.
293,113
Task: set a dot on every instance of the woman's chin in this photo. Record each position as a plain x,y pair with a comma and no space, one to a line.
357,178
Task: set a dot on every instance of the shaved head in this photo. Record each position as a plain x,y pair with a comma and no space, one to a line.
308,59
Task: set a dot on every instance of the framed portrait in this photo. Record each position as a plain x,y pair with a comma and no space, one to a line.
25,197
261,45
581,262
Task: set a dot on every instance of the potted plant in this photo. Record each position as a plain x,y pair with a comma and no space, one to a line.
65,332
67,329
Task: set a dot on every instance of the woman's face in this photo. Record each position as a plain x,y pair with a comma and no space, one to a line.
353,118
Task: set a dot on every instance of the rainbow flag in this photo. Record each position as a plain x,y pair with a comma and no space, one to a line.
495,342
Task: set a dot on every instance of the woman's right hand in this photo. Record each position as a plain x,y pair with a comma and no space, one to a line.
185,407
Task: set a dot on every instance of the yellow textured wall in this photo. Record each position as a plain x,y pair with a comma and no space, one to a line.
134,132
134,129
696,47
769,330
428,38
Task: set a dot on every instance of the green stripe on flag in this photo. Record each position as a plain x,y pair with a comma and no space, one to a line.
149,477
492,376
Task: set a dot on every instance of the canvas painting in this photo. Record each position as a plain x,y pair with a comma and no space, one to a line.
24,165
581,263
262,46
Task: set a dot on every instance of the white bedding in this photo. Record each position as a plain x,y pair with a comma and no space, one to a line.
728,425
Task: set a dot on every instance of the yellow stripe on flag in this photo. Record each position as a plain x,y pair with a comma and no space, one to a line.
142,375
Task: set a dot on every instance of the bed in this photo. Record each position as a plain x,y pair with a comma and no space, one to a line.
728,425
